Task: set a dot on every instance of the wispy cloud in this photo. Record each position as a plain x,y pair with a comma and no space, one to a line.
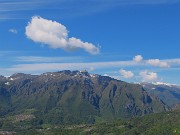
39,64
69,8
15,5
173,62
12,9
44,67
37,59
8,53
70,66
14,31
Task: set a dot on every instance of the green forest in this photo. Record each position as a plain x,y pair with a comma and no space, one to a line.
154,124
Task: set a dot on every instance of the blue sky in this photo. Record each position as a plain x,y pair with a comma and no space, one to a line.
131,40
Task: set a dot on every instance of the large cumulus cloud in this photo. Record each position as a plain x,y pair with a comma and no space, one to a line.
55,35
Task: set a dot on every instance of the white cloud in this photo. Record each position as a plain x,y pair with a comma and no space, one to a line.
14,31
158,63
148,76
152,62
138,58
55,35
126,74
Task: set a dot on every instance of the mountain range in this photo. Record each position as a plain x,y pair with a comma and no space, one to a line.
68,97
